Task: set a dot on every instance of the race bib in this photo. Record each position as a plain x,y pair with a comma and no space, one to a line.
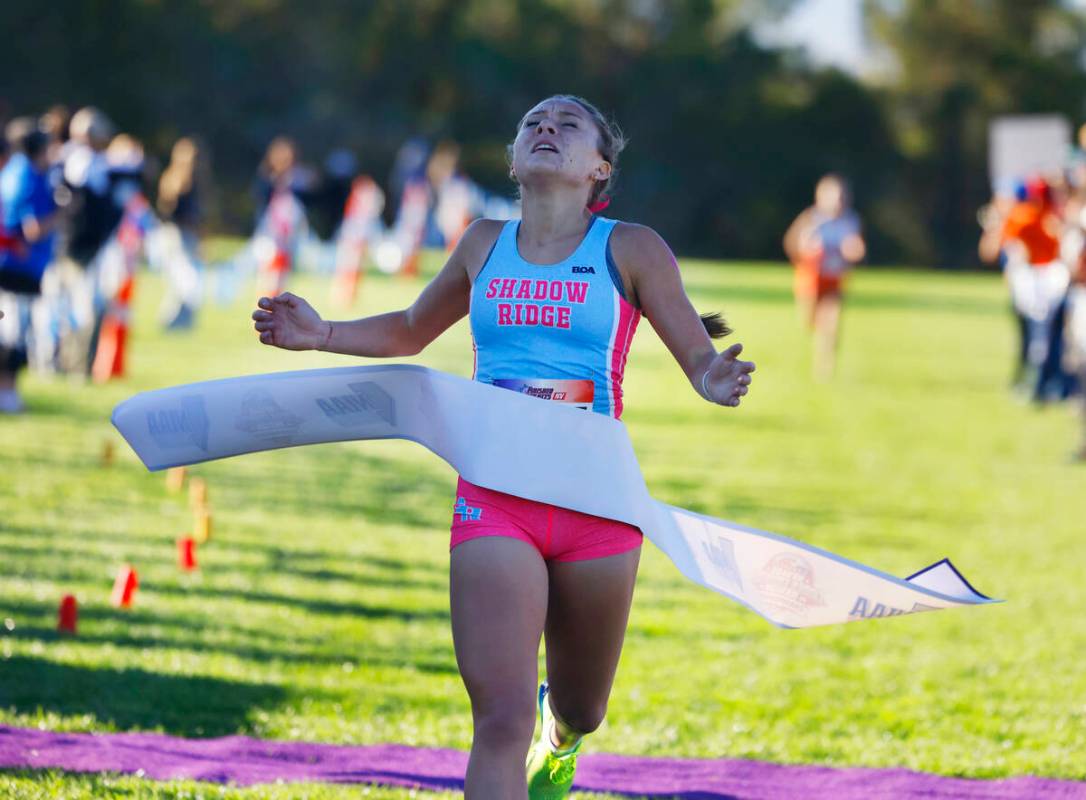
575,393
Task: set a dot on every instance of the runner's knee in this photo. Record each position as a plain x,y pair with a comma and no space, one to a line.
581,717
504,721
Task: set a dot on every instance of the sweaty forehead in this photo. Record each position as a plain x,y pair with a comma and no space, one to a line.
559,107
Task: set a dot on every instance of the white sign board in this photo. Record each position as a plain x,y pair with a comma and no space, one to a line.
1021,147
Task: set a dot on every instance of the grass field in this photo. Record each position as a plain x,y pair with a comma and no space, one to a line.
321,613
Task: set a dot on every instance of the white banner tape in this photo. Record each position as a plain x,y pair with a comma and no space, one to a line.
539,450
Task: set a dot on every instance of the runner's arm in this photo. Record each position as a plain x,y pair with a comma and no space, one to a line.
289,322
653,272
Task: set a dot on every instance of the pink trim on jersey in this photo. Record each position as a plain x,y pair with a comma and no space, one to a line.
620,349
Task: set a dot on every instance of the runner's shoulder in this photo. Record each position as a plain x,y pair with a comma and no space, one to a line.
482,233
476,243
636,247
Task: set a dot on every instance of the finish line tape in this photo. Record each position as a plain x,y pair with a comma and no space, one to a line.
541,451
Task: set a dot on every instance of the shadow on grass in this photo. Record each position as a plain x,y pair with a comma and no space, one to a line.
186,705
372,494
260,650
310,604
63,407
281,559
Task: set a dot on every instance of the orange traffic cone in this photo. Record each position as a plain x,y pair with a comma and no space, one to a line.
68,614
124,587
109,357
186,553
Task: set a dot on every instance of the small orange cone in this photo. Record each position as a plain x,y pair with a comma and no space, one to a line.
198,493
113,336
68,614
186,553
201,531
124,587
107,453
175,479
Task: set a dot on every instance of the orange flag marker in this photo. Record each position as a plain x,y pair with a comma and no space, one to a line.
67,614
124,587
186,553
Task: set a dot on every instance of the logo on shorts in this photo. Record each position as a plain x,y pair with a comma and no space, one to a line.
466,513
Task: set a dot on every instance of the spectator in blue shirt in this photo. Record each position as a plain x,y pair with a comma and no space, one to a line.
28,217
29,213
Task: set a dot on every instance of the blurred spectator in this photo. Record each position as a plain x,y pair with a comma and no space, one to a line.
1027,239
7,240
456,198
29,216
90,216
1076,339
360,229
279,172
408,167
281,223
823,243
1073,252
410,186
325,204
55,124
180,197
116,263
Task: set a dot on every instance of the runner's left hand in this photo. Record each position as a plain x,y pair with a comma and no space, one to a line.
728,378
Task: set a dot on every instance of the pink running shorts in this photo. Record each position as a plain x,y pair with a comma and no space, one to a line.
557,533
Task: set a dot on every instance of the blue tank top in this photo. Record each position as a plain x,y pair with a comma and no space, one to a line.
561,331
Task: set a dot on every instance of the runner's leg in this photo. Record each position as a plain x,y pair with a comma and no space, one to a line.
498,588
588,608
827,328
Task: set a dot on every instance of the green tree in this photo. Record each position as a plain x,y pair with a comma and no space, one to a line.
957,64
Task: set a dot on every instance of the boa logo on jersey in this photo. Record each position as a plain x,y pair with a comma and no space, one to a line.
368,403
180,427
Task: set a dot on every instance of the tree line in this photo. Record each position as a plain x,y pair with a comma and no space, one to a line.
727,136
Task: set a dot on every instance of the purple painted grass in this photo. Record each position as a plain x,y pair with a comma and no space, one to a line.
244,761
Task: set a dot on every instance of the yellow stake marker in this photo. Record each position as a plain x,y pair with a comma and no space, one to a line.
201,530
175,479
198,493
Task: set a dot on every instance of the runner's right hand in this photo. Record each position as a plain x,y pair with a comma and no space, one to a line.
289,322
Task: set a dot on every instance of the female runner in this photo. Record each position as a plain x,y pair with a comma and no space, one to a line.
824,242
553,302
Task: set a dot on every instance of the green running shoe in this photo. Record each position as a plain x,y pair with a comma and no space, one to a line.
550,774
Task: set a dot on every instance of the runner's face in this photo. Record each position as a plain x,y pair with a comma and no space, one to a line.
557,139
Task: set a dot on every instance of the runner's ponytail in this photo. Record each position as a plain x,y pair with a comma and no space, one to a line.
715,325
